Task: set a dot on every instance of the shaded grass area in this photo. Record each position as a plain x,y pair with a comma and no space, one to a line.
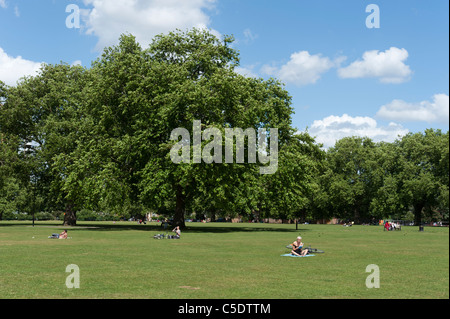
221,261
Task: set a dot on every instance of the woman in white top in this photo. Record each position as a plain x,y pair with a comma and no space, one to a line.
177,231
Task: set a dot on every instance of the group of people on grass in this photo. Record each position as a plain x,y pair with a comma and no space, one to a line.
392,226
63,234
297,245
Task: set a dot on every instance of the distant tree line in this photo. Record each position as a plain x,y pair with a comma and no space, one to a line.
98,140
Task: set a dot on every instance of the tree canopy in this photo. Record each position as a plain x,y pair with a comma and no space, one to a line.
101,138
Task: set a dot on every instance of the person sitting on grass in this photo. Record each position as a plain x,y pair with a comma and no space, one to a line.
297,248
177,231
63,234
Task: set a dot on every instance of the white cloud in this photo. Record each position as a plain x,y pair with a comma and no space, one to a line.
436,111
142,18
4,5
77,62
388,66
12,69
333,128
249,36
246,71
302,68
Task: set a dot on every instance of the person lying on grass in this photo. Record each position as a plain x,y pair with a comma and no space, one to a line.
63,235
297,248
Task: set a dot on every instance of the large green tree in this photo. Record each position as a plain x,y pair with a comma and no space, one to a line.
425,172
14,177
121,156
13,184
349,183
42,113
205,87
289,192
386,200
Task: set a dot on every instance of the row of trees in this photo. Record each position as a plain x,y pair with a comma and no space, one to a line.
73,138
363,180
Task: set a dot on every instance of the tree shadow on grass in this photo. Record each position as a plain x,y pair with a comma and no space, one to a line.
197,228
190,227
240,228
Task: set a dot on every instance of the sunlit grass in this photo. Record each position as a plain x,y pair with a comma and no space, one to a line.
221,260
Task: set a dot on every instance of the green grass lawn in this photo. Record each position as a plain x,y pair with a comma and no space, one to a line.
221,261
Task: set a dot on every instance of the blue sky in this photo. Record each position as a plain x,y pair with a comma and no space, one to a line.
345,78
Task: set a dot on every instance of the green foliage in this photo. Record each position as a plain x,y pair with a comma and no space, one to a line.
369,181
98,140
13,189
89,215
349,182
425,173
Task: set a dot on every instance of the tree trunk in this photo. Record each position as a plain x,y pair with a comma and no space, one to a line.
70,216
302,217
356,216
418,214
180,208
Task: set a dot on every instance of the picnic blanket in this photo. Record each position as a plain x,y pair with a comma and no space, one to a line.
290,255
